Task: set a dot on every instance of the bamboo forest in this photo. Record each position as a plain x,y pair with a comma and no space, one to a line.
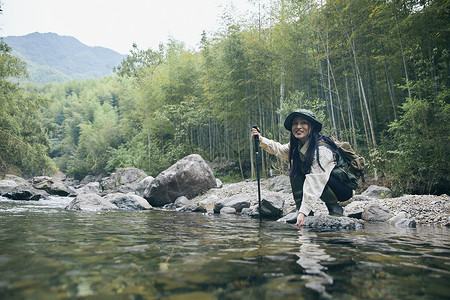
375,72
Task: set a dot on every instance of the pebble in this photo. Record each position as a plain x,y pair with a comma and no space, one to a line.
425,209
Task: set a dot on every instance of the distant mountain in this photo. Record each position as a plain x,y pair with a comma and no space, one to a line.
51,57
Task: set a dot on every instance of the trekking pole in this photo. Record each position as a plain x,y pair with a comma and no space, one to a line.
257,172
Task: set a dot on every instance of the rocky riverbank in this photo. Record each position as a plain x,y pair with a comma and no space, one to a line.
190,186
423,209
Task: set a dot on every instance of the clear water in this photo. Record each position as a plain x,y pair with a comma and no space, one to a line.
47,252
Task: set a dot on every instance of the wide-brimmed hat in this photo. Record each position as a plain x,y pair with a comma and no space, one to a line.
305,114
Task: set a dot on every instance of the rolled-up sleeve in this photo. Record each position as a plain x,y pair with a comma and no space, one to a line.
316,180
275,148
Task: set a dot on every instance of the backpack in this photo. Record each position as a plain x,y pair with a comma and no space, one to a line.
349,164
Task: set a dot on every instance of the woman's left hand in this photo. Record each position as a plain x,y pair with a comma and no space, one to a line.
300,220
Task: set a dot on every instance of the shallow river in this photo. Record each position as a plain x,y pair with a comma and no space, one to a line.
47,252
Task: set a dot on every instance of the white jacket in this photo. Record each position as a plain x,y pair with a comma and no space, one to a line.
316,180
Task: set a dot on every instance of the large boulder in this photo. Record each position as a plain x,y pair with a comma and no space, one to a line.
123,180
53,186
188,177
17,188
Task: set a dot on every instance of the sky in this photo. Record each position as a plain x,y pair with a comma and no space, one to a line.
117,24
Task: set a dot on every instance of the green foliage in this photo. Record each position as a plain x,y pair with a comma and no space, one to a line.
230,178
359,65
23,144
134,153
420,149
297,100
96,140
83,124
138,61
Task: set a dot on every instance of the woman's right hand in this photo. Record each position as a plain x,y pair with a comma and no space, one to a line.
255,132
300,220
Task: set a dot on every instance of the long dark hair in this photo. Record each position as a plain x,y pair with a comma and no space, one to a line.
298,167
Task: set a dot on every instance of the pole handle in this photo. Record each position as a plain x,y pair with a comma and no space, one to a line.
256,138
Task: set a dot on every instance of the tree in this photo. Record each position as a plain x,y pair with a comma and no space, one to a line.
418,159
345,59
23,145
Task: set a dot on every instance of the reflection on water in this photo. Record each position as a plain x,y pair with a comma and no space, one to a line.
311,257
47,252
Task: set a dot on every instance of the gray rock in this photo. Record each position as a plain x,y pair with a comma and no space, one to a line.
128,201
379,192
52,186
227,210
376,213
251,211
143,184
91,187
238,202
355,209
90,202
123,180
192,206
17,188
286,217
272,207
7,186
207,205
402,220
90,178
182,201
18,180
327,221
188,177
219,183
210,200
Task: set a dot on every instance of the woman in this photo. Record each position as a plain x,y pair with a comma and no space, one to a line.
311,159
